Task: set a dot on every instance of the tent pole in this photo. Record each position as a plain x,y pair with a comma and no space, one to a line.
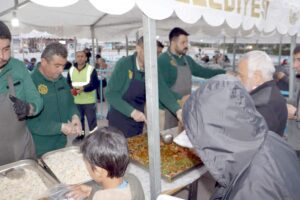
234,53
75,46
97,45
292,72
149,30
137,36
256,44
224,44
280,50
93,43
126,43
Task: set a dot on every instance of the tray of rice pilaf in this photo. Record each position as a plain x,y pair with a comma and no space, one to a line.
23,180
66,165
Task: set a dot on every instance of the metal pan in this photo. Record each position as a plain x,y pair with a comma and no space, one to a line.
57,174
32,165
14,185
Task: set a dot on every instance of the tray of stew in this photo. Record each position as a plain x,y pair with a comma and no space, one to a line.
175,160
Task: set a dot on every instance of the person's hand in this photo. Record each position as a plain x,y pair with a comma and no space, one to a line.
21,108
291,111
74,92
79,90
179,115
76,123
280,75
183,100
138,116
79,192
68,129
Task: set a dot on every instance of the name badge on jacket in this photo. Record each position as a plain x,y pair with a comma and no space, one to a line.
129,74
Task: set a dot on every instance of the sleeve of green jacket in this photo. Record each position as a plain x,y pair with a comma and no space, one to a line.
203,72
31,94
166,96
115,87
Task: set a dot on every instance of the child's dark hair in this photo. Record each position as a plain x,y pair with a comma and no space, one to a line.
107,148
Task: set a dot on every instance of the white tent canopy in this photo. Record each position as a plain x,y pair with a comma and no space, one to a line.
110,19
249,19
36,34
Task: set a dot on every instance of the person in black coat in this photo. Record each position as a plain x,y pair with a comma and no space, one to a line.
256,71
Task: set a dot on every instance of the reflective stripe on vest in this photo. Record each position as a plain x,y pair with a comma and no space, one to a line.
88,71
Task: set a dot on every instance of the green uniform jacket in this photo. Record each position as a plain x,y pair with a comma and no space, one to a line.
24,87
59,107
119,83
169,72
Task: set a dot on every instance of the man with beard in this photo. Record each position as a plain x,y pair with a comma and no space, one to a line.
256,71
177,69
19,100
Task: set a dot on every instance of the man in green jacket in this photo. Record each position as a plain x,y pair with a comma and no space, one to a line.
18,100
126,93
177,69
59,117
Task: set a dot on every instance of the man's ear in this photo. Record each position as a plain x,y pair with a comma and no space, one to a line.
43,61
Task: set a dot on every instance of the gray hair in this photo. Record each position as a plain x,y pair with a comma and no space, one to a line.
259,61
54,48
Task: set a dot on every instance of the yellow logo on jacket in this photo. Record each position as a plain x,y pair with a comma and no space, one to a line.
43,89
130,74
173,62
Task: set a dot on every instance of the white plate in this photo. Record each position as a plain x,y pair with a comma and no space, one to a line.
183,140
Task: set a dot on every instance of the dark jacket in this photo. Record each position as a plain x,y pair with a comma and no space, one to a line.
271,105
232,139
294,125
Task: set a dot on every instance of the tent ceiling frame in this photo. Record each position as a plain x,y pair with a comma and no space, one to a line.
16,6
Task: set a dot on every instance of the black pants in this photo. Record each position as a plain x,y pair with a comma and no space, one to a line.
103,84
88,110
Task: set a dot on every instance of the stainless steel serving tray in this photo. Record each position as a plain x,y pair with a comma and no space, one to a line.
32,165
44,163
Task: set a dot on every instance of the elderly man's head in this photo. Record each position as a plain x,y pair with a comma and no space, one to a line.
255,68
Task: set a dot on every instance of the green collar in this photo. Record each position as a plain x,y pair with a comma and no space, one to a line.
37,70
6,68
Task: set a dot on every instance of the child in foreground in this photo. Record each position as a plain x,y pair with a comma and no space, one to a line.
105,153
